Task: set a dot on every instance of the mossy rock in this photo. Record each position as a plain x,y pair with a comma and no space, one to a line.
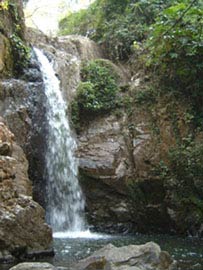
14,52
12,19
98,92
6,59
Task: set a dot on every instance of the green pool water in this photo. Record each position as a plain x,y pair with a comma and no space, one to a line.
187,251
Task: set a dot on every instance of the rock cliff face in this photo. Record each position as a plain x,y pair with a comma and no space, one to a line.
105,166
22,220
118,155
23,228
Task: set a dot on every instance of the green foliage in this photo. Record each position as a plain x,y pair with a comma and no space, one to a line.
4,5
14,31
175,49
98,90
114,24
21,53
170,30
146,96
185,169
76,23
87,97
183,179
186,163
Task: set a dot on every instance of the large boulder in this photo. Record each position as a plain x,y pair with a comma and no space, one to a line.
134,257
22,223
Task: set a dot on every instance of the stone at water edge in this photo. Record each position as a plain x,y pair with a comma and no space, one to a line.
33,266
36,266
133,257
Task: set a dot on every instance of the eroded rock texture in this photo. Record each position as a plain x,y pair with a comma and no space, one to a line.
23,228
118,157
20,100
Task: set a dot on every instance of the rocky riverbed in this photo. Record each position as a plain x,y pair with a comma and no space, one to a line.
142,257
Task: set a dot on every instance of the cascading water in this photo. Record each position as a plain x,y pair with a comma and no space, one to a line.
65,206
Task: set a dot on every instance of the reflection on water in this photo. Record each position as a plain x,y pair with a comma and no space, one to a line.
187,251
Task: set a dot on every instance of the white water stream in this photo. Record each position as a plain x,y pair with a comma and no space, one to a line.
65,202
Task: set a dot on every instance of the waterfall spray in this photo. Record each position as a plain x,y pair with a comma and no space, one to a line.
65,202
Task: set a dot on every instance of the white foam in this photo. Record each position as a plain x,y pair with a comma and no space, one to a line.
65,200
80,234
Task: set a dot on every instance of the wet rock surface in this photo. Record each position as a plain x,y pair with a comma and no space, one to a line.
20,100
143,257
23,228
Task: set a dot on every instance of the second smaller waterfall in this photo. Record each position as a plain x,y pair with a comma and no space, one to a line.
65,206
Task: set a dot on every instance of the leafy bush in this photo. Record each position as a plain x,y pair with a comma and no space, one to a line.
183,180
186,165
145,96
21,53
175,49
98,90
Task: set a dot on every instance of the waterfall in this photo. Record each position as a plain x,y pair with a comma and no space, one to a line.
65,202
